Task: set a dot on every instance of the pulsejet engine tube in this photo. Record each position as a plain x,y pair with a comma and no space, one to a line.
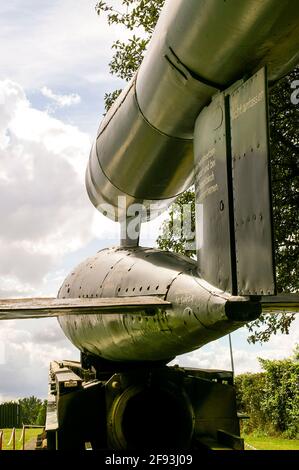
144,146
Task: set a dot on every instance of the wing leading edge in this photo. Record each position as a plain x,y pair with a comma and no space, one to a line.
18,309
287,303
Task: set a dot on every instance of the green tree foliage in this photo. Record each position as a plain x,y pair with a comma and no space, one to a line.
41,417
271,398
33,410
173,236
142,16
296,353
280,402
249,388
109,98
284,121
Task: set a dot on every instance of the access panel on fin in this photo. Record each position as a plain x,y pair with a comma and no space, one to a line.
213,212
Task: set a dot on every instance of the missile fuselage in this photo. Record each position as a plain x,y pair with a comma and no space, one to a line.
144,152
199,313
196,111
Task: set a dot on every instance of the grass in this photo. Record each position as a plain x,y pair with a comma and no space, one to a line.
262,442
30,434
258,441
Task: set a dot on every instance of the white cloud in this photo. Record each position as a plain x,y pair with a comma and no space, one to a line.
64,45
216,355
2,352
61,100
27,349
45,215
44,209
55,42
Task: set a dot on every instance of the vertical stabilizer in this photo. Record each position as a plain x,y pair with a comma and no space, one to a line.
233,190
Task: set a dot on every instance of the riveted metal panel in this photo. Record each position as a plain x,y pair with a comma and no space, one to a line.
251,187
133,275
87,279
212,155
121,272
196,315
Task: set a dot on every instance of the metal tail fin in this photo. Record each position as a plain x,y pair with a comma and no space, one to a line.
233,190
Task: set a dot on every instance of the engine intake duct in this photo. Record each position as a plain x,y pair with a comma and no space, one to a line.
152,413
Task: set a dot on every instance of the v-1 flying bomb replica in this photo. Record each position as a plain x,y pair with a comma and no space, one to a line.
195,113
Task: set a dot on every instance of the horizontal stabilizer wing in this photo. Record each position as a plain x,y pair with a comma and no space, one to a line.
280,303
17,309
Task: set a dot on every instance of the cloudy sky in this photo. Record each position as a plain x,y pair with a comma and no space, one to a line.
53,77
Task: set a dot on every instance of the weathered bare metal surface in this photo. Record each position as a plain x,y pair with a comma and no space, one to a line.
166,174
144,145
125,272
105,195
51,416
51,419
280,303
199,312
223,40
179,312
65,375
232,184
12,309
211,155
